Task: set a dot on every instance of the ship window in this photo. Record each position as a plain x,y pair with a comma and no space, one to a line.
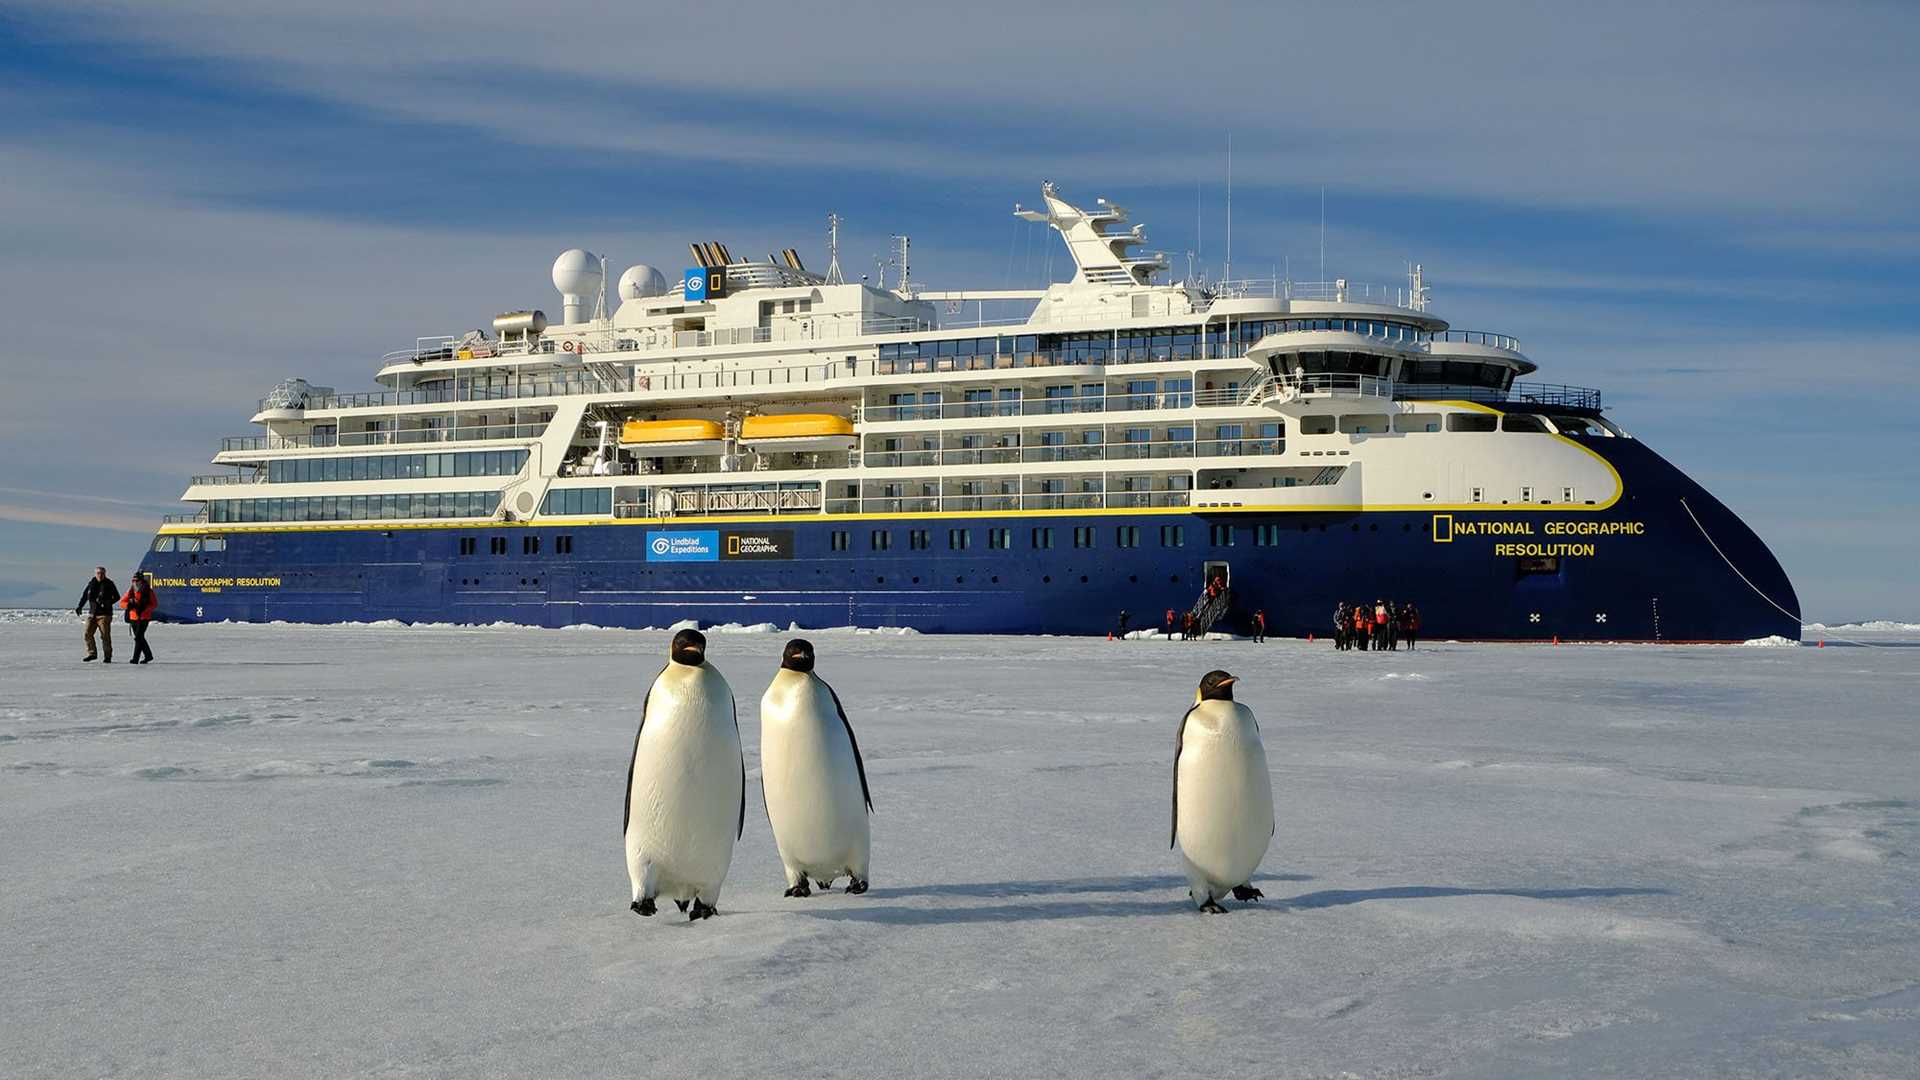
958,539
1127,536
213,543
1083,536
1000,539
563,545
1522,422
1472,421
1043,537
1317,425
1266,535
917,539
163,543
1477,495
839,541
881,539
1526,493
1364,423
1414,422
467,545
1173,536
498,545
1579,425
1220,535
529,545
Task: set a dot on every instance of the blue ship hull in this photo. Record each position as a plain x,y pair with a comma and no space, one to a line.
1666,562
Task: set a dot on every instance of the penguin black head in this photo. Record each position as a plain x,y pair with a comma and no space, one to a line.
689,648
798,656
1217,686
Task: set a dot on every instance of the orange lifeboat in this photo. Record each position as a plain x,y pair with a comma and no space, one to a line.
685,436
797,431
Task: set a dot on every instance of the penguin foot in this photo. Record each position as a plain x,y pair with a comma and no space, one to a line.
681,904
823,886
1212,907
856,886
1247,892
643,907
700,911
800,889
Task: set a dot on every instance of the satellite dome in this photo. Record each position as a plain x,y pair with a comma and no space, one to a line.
642,281
576,272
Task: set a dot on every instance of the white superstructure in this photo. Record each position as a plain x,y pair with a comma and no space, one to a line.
762,388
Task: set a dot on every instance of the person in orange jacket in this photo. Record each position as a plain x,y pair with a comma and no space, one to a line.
140,603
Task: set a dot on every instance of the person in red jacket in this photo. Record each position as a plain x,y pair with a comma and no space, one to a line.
1362,623
140,603
1260,626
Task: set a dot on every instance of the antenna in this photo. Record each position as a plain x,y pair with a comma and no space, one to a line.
1226,272
833,250
901,244
600,301
1323,232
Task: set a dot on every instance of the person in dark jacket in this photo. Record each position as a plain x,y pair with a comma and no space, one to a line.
97,602
140,603
1341,622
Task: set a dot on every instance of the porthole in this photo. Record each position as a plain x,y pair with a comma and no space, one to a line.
1427,495
1356,526
916,579
1406,527
1133,579
1373,526
880,581
1083,579
1046,579
1174,580
959,581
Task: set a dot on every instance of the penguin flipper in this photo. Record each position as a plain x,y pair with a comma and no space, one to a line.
858,763
626,811
1173,832
740,829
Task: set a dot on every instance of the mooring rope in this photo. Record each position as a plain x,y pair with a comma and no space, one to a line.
1756,589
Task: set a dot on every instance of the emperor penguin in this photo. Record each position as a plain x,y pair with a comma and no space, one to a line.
815,782
687,783
1222,795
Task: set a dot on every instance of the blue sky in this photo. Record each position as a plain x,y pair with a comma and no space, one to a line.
1705,209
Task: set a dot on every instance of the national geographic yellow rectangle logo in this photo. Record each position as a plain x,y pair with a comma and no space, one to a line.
1443,528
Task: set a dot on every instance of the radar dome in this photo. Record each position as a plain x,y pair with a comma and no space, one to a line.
642,281
576,273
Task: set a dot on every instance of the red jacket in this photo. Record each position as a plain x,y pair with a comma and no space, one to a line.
139,610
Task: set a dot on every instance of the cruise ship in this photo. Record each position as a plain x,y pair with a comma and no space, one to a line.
756,442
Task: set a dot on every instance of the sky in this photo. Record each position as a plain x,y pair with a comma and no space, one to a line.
1704,209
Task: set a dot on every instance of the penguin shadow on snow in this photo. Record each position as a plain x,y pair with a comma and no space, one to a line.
1327,898
1157,894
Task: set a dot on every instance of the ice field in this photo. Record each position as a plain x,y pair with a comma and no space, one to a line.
326,851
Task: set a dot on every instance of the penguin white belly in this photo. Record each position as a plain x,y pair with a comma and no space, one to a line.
684,813
1225,817
815,798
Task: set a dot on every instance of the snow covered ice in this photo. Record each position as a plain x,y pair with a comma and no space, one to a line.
319,851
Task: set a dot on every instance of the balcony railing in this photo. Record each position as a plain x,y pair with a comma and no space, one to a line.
1556,395
1479,337
218,479
403,437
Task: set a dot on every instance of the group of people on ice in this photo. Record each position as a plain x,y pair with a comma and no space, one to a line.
1379,625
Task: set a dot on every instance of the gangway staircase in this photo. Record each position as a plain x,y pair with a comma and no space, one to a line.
1209,610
